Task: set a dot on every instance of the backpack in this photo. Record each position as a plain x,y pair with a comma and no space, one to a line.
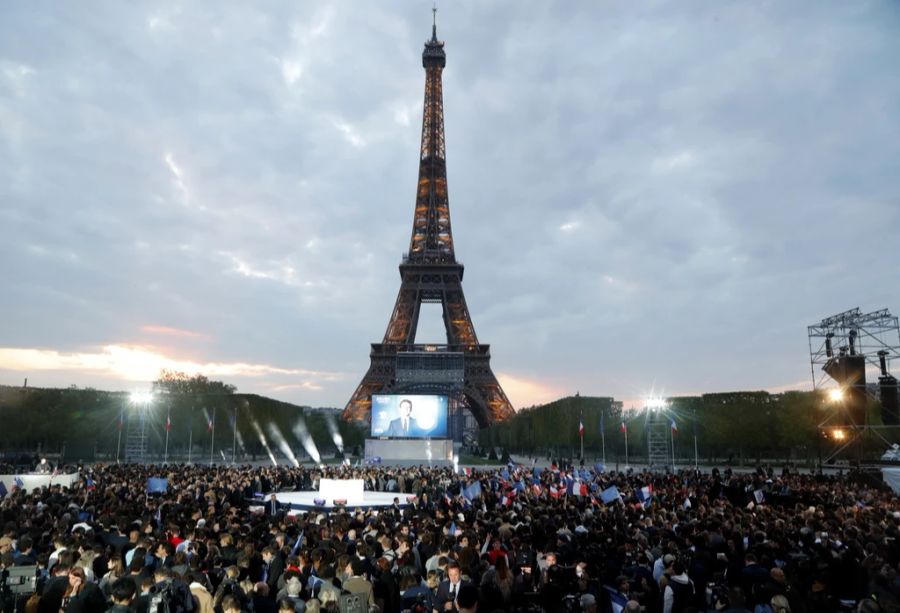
167,599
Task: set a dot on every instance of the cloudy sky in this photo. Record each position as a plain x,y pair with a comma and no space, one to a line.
653,195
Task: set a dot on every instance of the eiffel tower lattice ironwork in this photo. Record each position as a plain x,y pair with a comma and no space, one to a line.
430,273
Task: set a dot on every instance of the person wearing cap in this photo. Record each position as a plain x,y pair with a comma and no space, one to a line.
588,603
661,564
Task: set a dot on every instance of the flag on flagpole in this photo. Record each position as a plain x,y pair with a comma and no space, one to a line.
168,422
580,428
209,424
623,428
121,420
674,426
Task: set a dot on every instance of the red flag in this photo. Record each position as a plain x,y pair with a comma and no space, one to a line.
623,428
580,428
168,423
209,425
673,426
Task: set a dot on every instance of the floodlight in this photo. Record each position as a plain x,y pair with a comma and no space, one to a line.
655,403
835,394
141,397
838,434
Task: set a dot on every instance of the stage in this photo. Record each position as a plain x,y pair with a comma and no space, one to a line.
305,501
350,492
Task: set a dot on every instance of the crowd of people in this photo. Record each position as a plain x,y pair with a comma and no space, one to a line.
514,538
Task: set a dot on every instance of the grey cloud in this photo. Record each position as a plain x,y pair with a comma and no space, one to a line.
659,191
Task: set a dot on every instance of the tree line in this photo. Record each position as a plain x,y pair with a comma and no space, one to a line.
736,427
85,423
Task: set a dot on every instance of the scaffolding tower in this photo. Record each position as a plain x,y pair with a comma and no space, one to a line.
136,437
659,451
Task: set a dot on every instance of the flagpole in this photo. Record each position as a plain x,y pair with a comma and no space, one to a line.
696,461
168,425
603,440
626,447
672,436
121,425
190,437
212,438
581,435
234,435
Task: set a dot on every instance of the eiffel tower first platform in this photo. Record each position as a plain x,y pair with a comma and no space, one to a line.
429,272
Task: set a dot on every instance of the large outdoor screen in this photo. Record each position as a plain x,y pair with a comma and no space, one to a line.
409,416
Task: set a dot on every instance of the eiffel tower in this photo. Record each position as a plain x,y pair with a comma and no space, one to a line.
430,273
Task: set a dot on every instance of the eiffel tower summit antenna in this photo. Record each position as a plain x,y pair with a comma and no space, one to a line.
429,273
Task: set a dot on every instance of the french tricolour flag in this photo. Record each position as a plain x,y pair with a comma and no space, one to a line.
673,425
645,494
623,428
580,428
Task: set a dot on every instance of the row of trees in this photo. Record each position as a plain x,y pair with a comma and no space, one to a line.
739,426
86,423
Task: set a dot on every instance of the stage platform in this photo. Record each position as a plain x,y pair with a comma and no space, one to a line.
350,491
305,501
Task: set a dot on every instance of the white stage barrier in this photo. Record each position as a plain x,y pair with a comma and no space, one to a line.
420,451
350,490
32,481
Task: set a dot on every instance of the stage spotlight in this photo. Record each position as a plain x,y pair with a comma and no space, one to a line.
839,434
262,440
282,443
302,433
336,437
835,394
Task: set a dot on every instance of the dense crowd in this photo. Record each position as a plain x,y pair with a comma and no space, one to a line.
515,538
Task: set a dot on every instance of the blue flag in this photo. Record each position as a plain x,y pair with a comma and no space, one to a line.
519,486
3,491
610,494
473,491
617,599
505,474
157,485
537,471
296,546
